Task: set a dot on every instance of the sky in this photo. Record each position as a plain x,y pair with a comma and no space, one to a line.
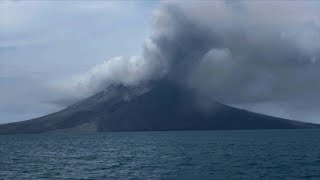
262,56
43,42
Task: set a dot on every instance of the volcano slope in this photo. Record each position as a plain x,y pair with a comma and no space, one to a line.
166,107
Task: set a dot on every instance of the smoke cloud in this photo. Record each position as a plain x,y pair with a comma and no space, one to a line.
233,52
118,71
243,52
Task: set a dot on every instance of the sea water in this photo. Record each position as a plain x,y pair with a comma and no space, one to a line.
240,154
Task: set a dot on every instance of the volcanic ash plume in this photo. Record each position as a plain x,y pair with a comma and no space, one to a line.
235,52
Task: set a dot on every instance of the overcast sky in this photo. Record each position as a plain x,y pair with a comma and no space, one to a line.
261,56
43,42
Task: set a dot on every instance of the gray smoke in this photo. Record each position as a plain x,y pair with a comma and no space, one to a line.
242,52
254,55
233,52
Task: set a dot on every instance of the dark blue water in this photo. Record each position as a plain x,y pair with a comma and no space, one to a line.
265,154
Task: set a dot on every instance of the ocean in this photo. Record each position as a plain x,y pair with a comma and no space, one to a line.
238,154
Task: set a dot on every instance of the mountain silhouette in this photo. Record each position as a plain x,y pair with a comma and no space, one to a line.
166,107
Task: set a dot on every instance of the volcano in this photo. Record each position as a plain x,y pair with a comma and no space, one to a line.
165,107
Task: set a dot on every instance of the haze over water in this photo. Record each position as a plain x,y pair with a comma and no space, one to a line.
269,154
